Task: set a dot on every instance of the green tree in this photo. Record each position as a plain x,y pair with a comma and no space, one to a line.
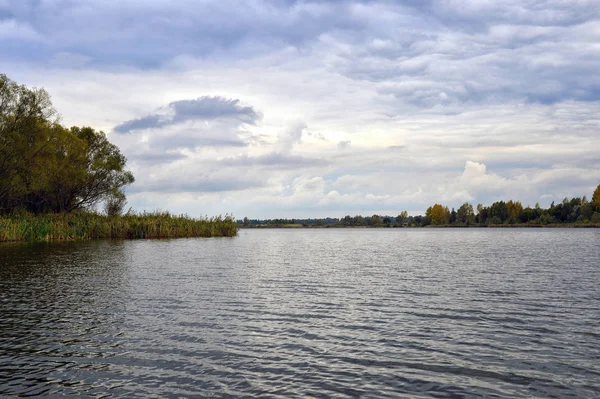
596,198
45,167
586,211
499,212
482,214
402,218
375,221
465,214
527,214
26,118
452,219
54,171
104,170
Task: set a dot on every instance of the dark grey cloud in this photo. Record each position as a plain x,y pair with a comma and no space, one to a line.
146,122
483,69
518,12
212,108
452,51
202,108
148,35
467,52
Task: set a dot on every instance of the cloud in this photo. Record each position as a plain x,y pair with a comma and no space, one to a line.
212,108
181,130
342,145
308,185
161,30
483,52
70,60
477,183
275,159
146,122
434,53
290,137
200,109
317,135
11,29
421,101
172,180
156,157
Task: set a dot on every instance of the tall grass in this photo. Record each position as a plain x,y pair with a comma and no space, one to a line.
88,225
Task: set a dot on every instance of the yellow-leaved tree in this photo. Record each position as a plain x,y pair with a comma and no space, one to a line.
596,198
437,214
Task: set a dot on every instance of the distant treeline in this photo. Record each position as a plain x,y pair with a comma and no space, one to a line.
575,211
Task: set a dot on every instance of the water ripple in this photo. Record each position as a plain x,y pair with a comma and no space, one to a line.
327,313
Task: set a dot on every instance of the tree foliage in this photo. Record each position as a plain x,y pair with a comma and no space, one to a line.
437,214
596,198
465,214
402,218
45,167
115,203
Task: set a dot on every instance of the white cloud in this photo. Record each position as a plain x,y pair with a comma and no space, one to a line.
290,137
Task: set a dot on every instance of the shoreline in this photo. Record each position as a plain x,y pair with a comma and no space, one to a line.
496,226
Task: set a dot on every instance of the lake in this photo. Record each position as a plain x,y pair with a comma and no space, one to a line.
320,313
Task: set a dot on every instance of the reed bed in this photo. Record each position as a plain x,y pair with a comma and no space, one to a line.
87,226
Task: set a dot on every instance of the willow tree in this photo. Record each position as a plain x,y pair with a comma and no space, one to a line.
45,167
26,116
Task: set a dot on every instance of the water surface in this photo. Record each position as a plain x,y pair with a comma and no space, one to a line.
345,313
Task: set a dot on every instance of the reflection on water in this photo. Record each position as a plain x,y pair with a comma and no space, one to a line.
305,313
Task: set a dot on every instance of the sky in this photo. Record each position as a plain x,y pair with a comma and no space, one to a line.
289,108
